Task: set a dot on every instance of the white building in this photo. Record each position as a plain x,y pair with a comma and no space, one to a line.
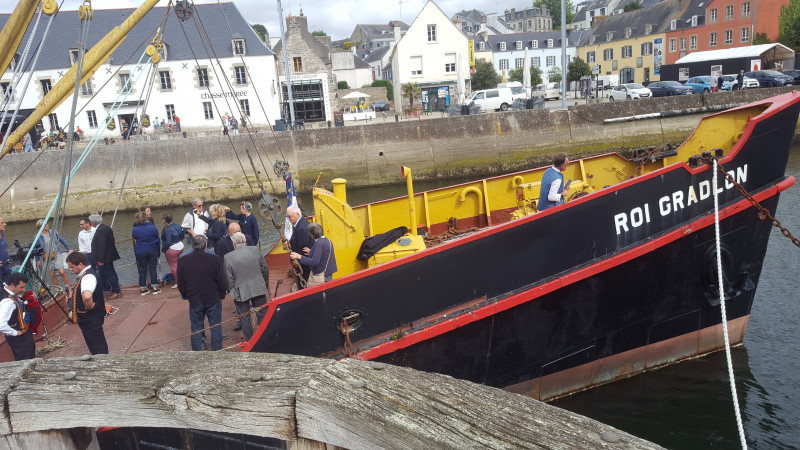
431,54
237,77
350,68
544,50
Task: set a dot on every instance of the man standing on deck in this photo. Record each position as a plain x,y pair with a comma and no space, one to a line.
5,265
88,304
552,189
247,221
85,237
300,238
104,253
247,275
14,319
201,281
193,225
225,245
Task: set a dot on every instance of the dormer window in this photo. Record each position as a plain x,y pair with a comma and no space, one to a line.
481,46
592,39
238,47
694,21
73,55
648,29
628,32
502,46
609,35
673,24
518,45
549,43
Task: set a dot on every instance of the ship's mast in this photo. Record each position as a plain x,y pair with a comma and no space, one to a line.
286,65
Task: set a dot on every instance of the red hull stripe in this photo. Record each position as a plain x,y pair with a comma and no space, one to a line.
572,277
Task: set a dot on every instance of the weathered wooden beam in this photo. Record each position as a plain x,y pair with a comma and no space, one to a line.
309,402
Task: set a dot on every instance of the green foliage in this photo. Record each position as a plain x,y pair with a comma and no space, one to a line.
554,7
517,75
388,85
347,45
536,75
632,6
319,33
761,38
485,76
577,68
554,74
411,91
789,24
260,30
342,85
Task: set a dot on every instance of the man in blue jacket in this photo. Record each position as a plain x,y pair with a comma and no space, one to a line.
552,189
247,221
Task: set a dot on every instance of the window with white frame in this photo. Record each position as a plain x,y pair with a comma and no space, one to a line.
549,43
608,54
86,88
208,110
518,45
503,64
166,83
202,77
551,61
481,46
502,46
745,34
648,28
673,45
241,75
628,32
683,43
712,15
712,39
693,42
519,63
8,92
536,61
46,86
673,24
609,36
73,55
590,57
449,63
415,64
627,51
53,121
238,47
124,82
92,119
729,12
647,48
245,106
534,44
728,37
432,33
170,112
746,9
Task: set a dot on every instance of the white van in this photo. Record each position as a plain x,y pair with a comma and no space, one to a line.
492,99
547,91
609,81
516,88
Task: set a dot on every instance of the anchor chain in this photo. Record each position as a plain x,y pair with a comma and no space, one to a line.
345,329
763,213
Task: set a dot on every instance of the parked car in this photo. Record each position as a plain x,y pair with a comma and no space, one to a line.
669,88
380,105
748,82
704,83
629,91
492,99
770,78
516,88
795,74
547,91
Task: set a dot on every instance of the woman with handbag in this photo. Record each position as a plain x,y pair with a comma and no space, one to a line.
321,257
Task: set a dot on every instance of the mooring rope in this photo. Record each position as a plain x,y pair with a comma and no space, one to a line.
722,308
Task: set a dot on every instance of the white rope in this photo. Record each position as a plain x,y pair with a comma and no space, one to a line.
724,316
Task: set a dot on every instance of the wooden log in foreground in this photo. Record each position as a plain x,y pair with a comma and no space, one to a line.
306,401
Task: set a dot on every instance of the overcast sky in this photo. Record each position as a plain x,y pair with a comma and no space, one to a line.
336,17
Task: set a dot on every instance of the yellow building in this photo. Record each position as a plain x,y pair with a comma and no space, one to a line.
631,45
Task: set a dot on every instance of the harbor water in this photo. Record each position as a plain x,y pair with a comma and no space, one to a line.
683,406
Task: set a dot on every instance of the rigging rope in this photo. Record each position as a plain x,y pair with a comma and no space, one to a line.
722,308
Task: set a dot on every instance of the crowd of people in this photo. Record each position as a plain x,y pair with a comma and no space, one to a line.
211,253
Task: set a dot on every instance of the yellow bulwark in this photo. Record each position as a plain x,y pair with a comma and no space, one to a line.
497,200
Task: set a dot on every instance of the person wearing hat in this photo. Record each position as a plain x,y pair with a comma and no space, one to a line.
247,221
57,248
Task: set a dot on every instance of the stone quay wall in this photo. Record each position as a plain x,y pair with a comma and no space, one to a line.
174,170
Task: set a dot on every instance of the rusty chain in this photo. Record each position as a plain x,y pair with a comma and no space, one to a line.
345,329
763,213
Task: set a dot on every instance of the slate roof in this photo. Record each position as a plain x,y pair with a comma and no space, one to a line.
524,13
573,38
65,32
658,15
472,15
373,30
695,8
375,55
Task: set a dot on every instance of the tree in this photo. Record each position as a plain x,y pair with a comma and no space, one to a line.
554,7
577,68
554,75
761,38
517,74
485,76
388,85
342,85
536,75
319,33
411,91
789,24
347,45
260,30
632,6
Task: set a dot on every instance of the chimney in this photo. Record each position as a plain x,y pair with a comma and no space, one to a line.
398,34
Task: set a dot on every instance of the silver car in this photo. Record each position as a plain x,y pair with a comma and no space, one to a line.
629,91
748,82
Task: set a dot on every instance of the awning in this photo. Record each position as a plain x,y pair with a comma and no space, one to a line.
751,51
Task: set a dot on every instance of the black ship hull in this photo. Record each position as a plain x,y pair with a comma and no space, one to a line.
607,285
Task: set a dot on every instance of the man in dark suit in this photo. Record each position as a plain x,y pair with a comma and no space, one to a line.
300,238
248,281
225,245
104,253
14,318
88,303
202,282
